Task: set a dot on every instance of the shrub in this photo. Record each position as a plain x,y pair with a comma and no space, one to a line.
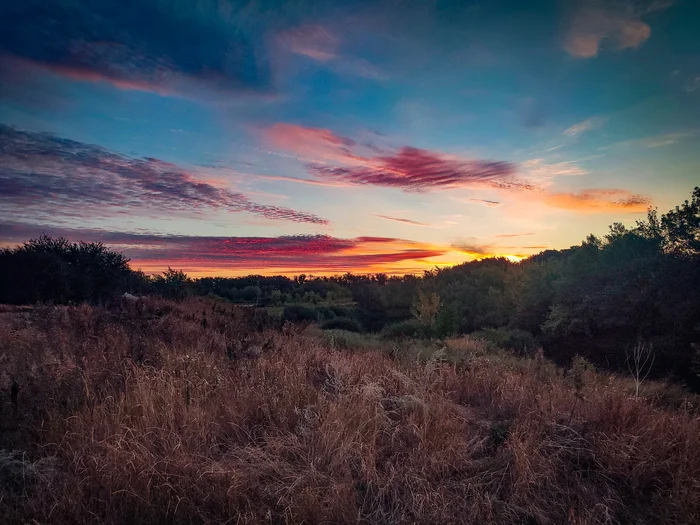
519,341
172,284
340,311
345,340
298,313
341,323
250,294
408,328
324,313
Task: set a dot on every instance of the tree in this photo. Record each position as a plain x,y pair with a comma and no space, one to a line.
640,361
426,307
57,270
681,227
173,284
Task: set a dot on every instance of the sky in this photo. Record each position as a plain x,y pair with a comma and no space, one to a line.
228,137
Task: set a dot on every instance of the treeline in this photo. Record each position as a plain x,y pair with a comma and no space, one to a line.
632,288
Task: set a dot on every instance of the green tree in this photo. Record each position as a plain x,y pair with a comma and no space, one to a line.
426,306
173,284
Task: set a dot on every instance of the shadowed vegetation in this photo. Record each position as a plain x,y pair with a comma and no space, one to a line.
201,412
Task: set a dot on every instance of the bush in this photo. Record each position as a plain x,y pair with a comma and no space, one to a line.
56,270
297,313
250,294
519,341
345,340
324,313
406,329
342,323
340,311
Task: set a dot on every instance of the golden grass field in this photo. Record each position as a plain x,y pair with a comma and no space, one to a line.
197,412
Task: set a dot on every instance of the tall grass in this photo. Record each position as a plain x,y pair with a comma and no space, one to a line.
199,413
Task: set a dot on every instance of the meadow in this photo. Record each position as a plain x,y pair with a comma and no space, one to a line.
198,411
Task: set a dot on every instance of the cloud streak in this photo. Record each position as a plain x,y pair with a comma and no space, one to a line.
312,41
403,221
583,127
337,160
41,174
510,235
146,46
414,169
313,144
245,255
600,201
656,141
486,202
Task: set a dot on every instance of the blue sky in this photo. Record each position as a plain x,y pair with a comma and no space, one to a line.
183,132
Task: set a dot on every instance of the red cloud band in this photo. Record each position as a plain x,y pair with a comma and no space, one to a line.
245,255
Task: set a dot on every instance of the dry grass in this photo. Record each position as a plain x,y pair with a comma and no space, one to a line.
151,414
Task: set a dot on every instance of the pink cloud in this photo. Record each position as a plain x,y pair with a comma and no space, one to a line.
414,169
595,23
312,41
334,159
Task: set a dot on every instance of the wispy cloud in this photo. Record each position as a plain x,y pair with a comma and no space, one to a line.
656,141
618,22
334,160
600,201
473,248
666,139
541,171
413,169
242,255
323,45
583,127
313,144
509,235
486,202
137,46
313,41
45,175
308,182
404,221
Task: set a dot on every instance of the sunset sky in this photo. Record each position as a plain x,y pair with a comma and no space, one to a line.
225,138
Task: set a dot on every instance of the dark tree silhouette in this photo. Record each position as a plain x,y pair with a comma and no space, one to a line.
56,270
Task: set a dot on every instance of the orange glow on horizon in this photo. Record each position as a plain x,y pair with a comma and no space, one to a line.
405,267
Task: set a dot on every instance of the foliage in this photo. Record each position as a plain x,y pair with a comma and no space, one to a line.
172,284
298,313
410,328
425,307
519,341
55,270
342,323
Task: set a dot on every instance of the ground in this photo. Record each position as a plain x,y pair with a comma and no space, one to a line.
200,412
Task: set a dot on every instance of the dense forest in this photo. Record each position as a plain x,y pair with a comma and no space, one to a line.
633,293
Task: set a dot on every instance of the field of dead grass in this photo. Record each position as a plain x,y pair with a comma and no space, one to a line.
197,412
